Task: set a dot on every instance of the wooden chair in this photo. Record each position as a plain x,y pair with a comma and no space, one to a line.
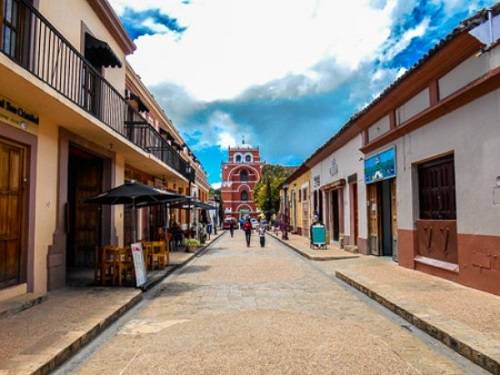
159,254
124,266
147,249
106,266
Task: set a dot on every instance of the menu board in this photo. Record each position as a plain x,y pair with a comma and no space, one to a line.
139,264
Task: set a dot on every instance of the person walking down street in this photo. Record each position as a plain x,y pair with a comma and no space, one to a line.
231,228
262,233
247,227
209,229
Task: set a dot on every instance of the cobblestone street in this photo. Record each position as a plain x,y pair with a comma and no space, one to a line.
251,310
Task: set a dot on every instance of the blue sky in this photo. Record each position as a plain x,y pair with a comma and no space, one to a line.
285,75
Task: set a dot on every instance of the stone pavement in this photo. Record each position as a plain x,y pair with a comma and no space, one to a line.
239,310
37,338
466,319
300,244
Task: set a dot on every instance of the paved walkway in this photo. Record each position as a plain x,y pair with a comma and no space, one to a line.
238,310
468,317
43,335
34,337
301,245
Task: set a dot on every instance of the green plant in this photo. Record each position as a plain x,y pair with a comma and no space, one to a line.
192,242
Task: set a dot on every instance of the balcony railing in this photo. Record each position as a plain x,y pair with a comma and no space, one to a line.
28,39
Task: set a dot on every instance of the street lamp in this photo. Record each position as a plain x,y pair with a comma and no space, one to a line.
285,231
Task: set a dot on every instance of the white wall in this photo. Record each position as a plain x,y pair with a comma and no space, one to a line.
380,127
412,107
468,71
473,134
349,161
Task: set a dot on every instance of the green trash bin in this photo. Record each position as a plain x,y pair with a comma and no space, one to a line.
318,233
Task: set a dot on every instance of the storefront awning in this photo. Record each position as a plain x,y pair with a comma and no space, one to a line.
99,53
140,104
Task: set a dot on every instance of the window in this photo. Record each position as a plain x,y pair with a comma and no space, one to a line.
244,195
248,158
244,175
304,194
237,159
437,189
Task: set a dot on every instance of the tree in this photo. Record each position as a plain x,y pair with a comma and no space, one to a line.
267,190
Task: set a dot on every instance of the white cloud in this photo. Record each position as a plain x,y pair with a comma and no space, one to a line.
216,185
220,130
232,45
407,37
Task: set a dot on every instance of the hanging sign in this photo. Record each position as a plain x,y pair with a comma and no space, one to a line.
13,113
381,166
139,264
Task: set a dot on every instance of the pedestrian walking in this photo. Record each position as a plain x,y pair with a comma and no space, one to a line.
209,230
262,233
231,228
247,227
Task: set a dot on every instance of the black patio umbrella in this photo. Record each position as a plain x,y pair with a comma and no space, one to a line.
133,193
190,203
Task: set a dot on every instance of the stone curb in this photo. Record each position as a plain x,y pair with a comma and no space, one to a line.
462,348
23,306
175,267
71,349
309,256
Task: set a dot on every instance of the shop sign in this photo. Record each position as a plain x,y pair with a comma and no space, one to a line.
139,264
15,114
381,166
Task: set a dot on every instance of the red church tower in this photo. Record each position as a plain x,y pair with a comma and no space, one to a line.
240,174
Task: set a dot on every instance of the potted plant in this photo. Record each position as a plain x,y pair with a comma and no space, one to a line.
192,244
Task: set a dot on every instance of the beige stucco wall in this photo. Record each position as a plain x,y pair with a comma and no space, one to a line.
45,199
296,186
68,18
119,172
349,161
472,133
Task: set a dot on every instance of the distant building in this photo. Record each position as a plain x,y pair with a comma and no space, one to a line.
240,174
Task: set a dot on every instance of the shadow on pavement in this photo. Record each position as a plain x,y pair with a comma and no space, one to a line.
173,289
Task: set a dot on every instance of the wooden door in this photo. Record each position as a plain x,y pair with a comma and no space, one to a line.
335,215
12,213
84,235
373,219
437,227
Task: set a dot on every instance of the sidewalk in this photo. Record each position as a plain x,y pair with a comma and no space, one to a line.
300,244
465,319
38,339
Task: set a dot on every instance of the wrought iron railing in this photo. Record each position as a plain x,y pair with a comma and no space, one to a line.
32,42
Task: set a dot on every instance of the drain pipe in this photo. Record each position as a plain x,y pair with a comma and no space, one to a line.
490,23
